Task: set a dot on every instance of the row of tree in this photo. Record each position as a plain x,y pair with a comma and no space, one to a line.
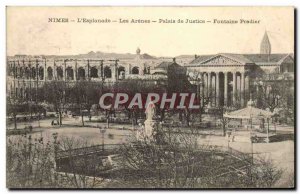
83,96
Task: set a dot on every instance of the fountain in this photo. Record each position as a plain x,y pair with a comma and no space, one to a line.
146,130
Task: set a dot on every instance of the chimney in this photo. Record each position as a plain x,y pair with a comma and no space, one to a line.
174,60
196,56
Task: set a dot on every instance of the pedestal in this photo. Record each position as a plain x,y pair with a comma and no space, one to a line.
149,127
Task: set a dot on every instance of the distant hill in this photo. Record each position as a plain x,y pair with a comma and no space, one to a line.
185,56
97,54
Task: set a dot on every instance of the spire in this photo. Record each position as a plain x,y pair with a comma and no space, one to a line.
265,45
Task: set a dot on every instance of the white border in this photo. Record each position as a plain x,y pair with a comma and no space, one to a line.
5,3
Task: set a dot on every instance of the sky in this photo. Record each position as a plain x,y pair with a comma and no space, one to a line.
30,33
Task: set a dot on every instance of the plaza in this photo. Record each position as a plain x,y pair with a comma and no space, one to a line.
56,100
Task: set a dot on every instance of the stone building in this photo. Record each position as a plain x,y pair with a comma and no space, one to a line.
26,72
229,79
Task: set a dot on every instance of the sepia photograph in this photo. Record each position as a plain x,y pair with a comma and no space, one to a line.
150,97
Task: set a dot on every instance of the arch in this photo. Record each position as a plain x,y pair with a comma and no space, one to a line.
120,69
70,73
21,72
107,72
81,73
121,72
135,70
21,92
33,72
27,73
41,73
26,93
17,92
11,90
94,72
59,73
17,71
50,73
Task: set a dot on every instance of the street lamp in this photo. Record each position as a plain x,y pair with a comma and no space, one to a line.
102,131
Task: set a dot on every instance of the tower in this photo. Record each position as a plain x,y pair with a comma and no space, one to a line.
138,51
265,45
138,54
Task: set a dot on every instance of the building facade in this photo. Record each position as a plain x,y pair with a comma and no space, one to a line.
225,79
230,79
25,73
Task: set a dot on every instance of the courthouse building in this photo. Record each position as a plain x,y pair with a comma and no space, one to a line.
229,79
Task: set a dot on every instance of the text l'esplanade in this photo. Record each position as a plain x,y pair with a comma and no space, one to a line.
163,21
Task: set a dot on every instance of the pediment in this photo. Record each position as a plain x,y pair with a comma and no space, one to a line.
221,60
288,59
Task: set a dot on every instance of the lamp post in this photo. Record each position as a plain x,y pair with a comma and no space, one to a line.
268,140
102,131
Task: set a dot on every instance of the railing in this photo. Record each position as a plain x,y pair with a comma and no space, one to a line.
146,77
87,150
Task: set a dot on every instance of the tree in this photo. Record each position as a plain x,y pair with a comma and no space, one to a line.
84,94
160,163
276,94
13,109
177,160
55,94
30,162
82,171
33,163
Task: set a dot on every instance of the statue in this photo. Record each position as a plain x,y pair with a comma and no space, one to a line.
146,131
150,111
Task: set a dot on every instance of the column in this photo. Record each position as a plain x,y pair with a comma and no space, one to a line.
141,70
201,88
225,88
242,89
217,89
116,71
204,84
113,72
54,71
45,70
14,70
247,88
88,70
76,71
233,88
65,71
208,84
37,72
129,69
99,71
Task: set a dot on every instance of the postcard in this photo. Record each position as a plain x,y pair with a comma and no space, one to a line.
150,97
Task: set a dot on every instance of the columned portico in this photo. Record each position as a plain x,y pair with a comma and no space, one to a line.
225,80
